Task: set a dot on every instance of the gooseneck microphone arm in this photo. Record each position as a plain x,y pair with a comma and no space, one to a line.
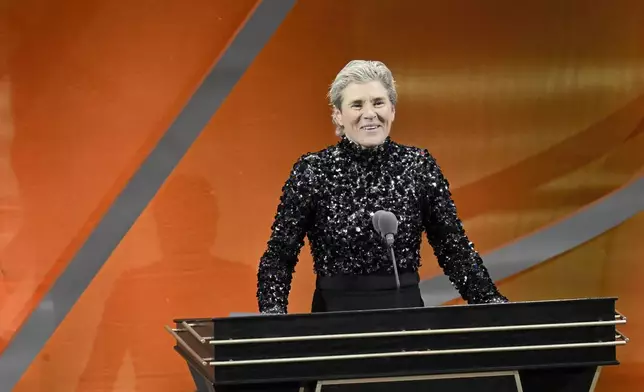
393,260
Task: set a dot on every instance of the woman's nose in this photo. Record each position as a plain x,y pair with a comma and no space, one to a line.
369,112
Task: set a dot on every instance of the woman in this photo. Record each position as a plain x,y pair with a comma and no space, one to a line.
331,196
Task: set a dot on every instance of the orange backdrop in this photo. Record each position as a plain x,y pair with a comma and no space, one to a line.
86,90
533,110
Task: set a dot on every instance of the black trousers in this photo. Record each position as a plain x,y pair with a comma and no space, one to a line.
348,292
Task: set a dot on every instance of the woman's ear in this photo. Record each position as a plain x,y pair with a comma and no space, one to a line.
337,117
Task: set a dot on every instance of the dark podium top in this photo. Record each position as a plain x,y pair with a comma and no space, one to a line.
538,344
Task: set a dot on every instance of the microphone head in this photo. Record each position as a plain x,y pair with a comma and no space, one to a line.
388,224
376,218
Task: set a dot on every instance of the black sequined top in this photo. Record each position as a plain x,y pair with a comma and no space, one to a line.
330,197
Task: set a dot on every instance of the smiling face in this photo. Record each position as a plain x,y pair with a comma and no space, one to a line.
366,113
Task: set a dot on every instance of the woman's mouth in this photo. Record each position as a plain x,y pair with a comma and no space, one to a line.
370,127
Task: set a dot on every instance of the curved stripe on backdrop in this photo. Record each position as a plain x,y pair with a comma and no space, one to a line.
607,135
549,242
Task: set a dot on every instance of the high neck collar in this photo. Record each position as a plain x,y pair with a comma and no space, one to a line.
367,152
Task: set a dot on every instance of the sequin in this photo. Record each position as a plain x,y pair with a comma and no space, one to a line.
330,197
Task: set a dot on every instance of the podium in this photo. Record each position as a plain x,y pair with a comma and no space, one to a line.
554,346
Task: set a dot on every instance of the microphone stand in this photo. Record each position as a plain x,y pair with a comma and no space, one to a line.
392,256
393,260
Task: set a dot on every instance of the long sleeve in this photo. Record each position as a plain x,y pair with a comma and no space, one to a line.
455,252
289,228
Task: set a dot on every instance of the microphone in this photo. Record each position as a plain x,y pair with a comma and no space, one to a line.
386,224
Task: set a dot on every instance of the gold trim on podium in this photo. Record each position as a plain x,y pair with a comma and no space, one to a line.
189,327
514,374
620,339
392,354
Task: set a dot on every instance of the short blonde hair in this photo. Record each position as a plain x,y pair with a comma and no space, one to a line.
360,71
